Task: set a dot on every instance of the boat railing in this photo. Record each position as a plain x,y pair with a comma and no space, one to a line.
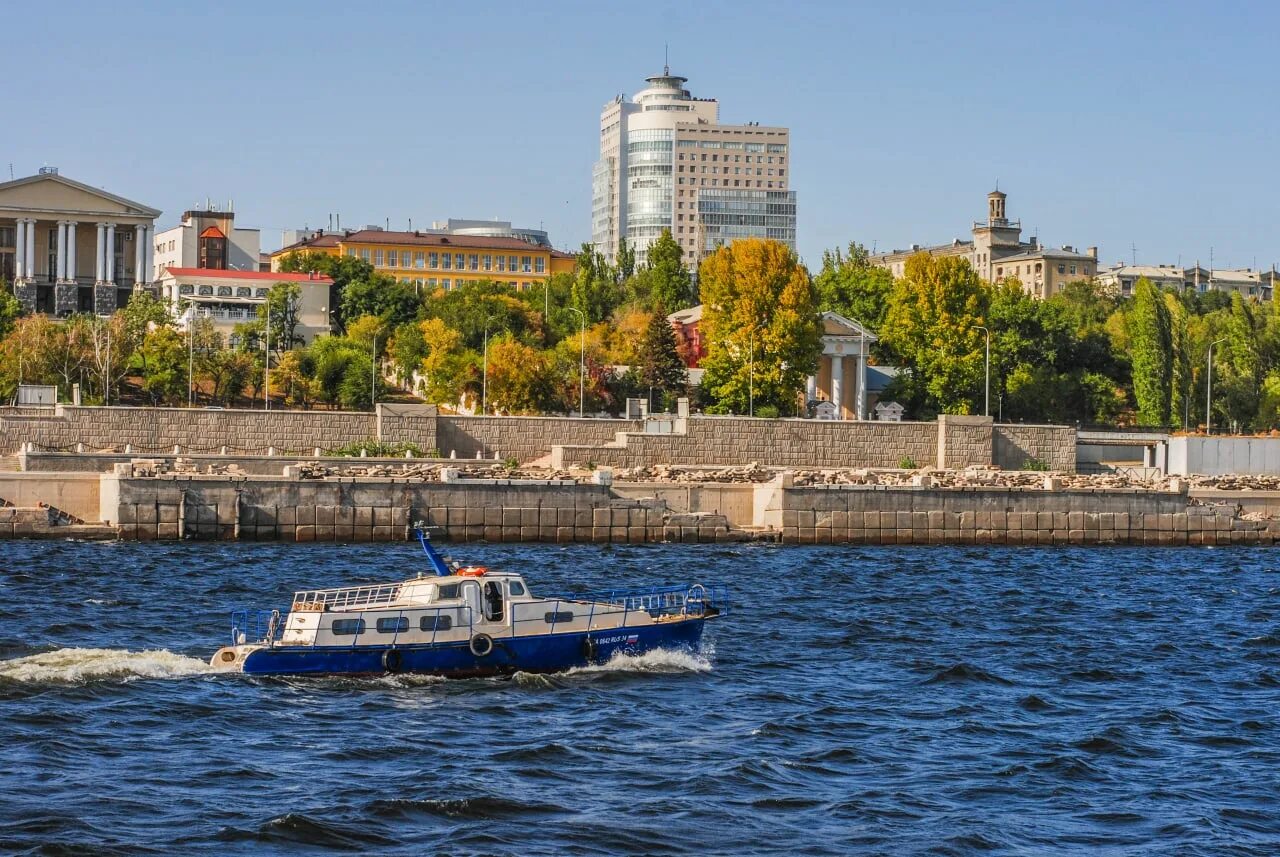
693,600
257,626
347,597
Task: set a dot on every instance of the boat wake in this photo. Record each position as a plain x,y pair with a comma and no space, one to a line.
655,661
76,666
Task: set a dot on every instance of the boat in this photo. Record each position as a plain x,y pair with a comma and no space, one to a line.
462,621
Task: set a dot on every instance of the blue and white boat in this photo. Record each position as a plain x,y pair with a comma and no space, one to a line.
461,622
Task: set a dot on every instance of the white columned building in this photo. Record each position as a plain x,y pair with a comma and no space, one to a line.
49,268
845,346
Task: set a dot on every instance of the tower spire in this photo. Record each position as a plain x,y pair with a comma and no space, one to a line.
666,61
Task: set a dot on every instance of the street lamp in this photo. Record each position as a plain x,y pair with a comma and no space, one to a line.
751,373
373,373
582,362
986,408
1208,390
266,362
484,384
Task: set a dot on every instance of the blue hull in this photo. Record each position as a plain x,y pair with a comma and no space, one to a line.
544,653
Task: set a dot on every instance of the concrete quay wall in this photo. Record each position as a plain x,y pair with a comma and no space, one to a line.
374,509
863,515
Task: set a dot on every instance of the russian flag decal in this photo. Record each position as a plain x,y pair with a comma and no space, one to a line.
633,639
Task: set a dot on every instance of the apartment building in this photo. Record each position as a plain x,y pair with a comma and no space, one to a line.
229,297
666,162
1259,285
207,238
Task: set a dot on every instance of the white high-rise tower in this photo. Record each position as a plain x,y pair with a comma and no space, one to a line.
667,163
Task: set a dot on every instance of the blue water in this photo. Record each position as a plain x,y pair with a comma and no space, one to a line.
902,701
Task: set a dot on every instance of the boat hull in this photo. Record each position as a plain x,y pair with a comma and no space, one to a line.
544,653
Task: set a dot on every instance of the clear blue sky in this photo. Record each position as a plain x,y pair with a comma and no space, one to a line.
1117,123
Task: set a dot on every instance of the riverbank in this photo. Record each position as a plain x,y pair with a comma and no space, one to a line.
146,500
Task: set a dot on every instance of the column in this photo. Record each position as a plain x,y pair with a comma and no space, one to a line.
811,388
99,266
111,253
61,273
149,260
837,384
862,387
71,250
20,249
139,239
31,249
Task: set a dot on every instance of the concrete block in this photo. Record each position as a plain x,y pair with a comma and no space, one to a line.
1060,521
529,516
305,533
527,534
618,535
546,532
1075,520
600,535
601,517
498,534
935,520
147,513
564,535
475,516
636,535
363,517
167,531
386,533
326,533
344,532
344,516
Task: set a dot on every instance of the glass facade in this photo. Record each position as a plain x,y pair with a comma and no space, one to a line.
729,214
603,229
649,187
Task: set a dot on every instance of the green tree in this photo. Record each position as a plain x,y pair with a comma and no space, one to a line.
343,270
1151,342
10,310
595,288
626,259
519,378
475,305
931,328
760,323
162,361
1179,360
660,367
282,307
447,365
394,302
293,378
667,282
853,287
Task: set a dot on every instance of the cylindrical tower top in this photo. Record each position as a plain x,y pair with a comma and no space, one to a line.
995,206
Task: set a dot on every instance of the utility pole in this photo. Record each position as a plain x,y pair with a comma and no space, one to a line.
751,374
266,361
373,374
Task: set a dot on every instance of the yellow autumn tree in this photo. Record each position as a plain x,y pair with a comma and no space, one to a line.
760,325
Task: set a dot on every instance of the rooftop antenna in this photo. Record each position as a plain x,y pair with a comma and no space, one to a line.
666,64
11,171
1134,250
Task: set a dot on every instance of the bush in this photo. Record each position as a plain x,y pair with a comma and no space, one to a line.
378,449
907,463
769,412
1035,464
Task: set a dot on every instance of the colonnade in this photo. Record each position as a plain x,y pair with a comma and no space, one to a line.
65,267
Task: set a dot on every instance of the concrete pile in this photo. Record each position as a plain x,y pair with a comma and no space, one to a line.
748,473
1244,482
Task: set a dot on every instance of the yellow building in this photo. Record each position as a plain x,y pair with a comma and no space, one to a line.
431,260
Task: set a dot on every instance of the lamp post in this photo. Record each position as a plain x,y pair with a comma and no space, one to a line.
484,383
582,362
751,373
373,374
1208,389
191,355
266,361
986,408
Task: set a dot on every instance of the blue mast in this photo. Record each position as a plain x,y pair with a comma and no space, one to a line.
437,561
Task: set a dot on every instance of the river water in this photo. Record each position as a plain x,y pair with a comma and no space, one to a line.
888,700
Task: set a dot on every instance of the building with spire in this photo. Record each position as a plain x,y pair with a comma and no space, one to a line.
666,162
995,250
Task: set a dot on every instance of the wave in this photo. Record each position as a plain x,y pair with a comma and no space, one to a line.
654,661
962,673
74,666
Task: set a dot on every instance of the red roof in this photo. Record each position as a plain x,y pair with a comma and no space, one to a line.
273,276
213,232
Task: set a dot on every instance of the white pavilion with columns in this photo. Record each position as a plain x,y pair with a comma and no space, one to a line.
842,371
67,247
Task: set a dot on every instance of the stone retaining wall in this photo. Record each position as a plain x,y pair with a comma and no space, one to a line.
523,438
860,515
1014,446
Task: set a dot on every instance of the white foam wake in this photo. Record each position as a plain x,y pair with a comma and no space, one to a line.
654,661
83,665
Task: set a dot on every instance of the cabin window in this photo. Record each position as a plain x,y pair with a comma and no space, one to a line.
492,601
558,617
347,627
517,588
393,624
436,623
449,590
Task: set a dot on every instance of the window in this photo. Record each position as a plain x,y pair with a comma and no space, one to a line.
512,263
516,587
540,265
244,292
224,291
393,624
458,262
554,618
486,261
364,254
418,259
213,251
526,264
473,262
1073,269
347,627
449,590
377,258
262,291
433,261
502,263
393,258
446,261
435,623
186,290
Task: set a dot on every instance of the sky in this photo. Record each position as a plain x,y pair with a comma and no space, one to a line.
1147,129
